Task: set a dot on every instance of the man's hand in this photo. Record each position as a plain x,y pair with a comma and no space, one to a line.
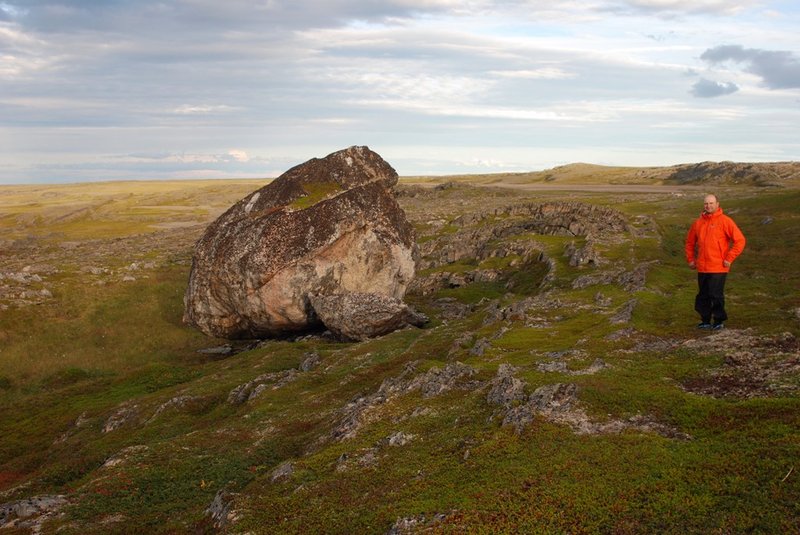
692,265
726,263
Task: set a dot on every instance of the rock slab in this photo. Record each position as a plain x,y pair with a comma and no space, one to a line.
359,316
327,226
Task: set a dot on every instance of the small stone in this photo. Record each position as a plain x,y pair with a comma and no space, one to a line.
283,471
399,439
310,361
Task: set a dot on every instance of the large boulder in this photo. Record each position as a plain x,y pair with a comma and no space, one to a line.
327,226
358,316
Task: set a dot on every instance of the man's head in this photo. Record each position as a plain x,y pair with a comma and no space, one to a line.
710,204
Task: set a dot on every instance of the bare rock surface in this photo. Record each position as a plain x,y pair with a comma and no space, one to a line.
753,365
559,403
252,389
358,316
363,409
221,509
30,513
327,226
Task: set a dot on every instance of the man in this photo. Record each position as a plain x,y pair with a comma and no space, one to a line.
712,244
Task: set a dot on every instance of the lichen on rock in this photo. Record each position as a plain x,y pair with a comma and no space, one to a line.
327,226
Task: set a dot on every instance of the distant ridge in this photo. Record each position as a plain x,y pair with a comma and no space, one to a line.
716,173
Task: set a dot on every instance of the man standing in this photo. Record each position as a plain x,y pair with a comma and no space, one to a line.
712,244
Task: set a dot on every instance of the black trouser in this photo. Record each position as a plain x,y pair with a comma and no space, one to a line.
710,300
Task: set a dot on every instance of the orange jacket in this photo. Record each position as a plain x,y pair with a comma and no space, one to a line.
712,239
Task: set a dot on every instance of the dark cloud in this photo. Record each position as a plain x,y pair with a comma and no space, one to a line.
779,69
708,88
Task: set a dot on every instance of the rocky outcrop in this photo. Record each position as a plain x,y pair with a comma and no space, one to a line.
363,409
30,513
327,226
753,366
252,389
358,316
762,174
559,403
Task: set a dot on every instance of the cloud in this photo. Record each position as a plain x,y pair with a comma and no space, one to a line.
544,73
778,69
238,155
673,7
708,88
232,156
202,109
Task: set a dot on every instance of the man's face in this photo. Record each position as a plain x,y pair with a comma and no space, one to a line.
710,204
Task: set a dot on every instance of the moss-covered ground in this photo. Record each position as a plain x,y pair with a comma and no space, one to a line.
93,351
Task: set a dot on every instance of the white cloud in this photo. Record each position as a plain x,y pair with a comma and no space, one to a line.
202,109
238,155
544,73
721,7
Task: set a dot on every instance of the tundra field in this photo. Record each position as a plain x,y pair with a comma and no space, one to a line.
560,386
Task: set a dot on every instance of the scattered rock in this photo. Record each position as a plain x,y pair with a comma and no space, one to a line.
327,226
602,301
223,350
359,316
221,509
124,415
480,347
30,513
558,403
608,276
362,410
505,388
622,333
625,313
124,455
252,389
437,381
399,439
178,402
581,256
310,361
451,308
283,471
753,365
415,524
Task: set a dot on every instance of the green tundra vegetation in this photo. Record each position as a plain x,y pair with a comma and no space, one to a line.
106,400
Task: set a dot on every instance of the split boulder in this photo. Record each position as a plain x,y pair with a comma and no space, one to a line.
327,226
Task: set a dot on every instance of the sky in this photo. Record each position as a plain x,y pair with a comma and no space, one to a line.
95,90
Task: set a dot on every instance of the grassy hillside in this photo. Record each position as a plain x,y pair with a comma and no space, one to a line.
107,403
776,174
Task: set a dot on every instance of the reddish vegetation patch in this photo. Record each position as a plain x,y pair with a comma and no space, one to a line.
9,478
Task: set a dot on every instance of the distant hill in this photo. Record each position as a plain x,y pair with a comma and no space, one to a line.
719,173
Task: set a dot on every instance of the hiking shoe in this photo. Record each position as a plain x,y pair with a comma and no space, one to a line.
718,326
704,325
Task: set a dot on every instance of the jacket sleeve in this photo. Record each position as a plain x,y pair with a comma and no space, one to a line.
737,239
691,241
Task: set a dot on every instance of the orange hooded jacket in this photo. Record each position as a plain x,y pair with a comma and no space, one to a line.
712,239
